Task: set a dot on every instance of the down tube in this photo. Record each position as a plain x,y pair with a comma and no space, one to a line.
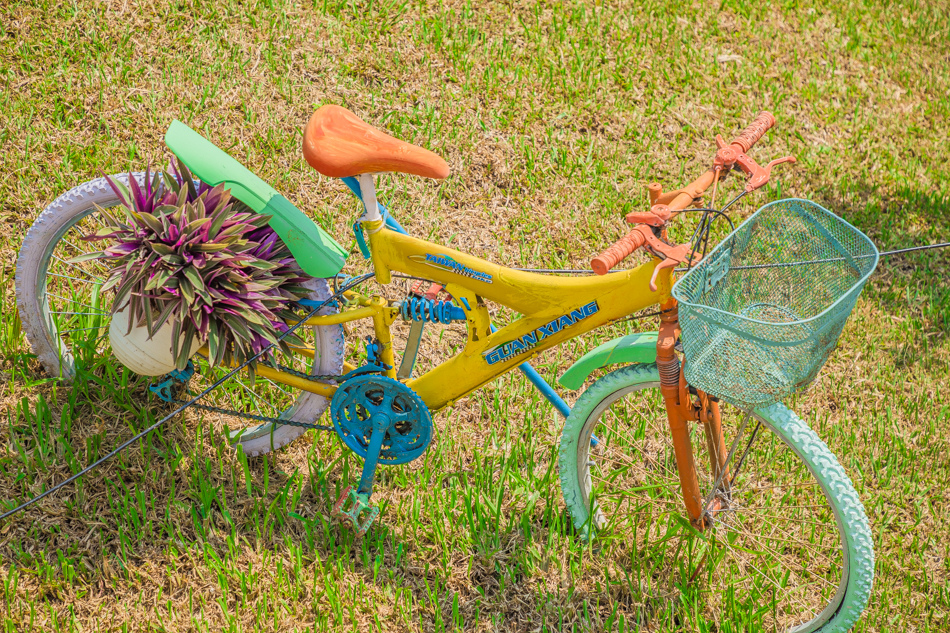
469,370
530,372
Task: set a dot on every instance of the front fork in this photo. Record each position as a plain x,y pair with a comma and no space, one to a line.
681,409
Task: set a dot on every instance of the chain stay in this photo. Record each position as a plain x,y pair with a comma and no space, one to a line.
256,418
165,390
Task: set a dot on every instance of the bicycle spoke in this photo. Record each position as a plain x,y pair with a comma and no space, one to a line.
82,329
255,398
81,251
773,534
803,544
732,450
772,516
71,265
810,484
275,385
85,281
84,305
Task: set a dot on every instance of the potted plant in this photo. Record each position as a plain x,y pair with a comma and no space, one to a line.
190,266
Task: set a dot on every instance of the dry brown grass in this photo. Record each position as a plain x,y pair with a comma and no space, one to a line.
552,116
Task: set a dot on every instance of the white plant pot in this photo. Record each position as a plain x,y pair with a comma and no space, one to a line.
144,355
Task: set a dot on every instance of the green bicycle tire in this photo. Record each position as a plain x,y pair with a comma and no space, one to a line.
856,550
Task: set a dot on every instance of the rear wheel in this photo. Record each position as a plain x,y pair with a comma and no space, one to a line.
66,320
791,549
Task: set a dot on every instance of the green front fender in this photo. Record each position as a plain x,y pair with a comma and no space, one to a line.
633,348
317,253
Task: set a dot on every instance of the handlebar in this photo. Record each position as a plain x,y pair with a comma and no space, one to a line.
682,198
623,247
756,130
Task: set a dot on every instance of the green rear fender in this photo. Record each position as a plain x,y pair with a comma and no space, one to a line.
317,253
633,348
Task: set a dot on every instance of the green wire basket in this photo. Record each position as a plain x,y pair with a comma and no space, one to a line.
762,312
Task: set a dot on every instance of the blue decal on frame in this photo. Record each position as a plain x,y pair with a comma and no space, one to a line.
530,340
444,262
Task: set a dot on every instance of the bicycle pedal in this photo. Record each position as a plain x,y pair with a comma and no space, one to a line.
351,505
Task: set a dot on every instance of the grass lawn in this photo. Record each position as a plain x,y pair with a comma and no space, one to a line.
553,117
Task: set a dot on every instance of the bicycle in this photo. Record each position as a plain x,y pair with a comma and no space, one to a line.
771,517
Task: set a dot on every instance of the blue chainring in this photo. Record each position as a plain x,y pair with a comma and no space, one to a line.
361,397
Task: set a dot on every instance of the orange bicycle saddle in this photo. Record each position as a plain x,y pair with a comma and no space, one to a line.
338,143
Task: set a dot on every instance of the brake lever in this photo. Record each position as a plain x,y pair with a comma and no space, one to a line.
657,216
669,262
761,175
671,255
728,156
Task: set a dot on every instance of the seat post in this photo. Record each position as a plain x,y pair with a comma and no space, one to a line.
368,193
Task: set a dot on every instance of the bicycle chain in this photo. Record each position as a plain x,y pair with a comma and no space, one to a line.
256,418
264,418
267,419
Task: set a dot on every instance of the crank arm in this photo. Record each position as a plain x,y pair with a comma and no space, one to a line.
354,505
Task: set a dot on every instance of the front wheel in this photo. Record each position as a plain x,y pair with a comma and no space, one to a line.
789,551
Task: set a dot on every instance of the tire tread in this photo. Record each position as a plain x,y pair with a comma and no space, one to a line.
781,421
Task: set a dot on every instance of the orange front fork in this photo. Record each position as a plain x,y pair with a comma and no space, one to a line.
715,442
680,411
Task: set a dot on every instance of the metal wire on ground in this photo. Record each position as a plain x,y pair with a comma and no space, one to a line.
588,271
355,281
349,284
836,259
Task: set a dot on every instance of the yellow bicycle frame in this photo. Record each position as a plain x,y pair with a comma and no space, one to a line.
553,309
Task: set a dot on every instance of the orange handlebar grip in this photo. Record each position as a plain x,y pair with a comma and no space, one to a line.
755,131
613,255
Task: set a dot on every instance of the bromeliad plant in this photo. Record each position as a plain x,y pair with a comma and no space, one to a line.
190,254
